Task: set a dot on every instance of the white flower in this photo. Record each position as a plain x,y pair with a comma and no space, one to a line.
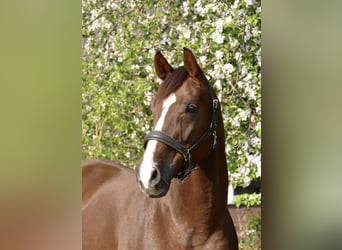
235,176
113,6
236,4
258,56
218,54
250,2
187,34
246,181
255,141
244,70
216,73
256,31
240,84
243,114
228,68
228,148
136,120
185,9
199,9
255,160
219,25
248,78
250,92
146,127
217,37
134,135
202,59
148,98
258,10
234,43
149,68
238,56
228,20
218,84
87,108
235,122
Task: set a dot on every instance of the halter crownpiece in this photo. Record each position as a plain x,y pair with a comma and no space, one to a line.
186,152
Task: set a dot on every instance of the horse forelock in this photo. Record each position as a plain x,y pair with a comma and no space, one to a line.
172,82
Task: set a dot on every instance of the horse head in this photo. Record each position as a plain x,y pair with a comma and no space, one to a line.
184,113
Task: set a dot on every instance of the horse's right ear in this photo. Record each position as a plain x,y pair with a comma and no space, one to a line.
163,68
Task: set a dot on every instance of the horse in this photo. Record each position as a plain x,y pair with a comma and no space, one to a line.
176,197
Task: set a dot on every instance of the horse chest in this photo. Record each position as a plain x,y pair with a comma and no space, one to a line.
152,231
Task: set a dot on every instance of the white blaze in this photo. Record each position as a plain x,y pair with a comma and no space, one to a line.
147,164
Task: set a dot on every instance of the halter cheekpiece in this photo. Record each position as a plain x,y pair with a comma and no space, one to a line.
186,152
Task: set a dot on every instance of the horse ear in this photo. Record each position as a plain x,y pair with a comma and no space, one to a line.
163,68
191,65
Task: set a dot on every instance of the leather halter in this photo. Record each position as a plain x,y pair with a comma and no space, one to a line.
186,152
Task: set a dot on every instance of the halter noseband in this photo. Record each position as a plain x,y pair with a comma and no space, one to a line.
186,152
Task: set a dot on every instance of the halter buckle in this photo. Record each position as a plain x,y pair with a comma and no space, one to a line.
215,103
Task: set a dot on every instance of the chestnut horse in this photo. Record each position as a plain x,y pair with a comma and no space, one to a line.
183,175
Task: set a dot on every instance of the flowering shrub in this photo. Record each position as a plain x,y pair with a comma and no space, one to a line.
249,233
120,39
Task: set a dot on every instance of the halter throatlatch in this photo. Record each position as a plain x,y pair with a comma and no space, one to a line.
187,152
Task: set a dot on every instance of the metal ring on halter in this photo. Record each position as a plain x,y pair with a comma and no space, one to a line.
187,157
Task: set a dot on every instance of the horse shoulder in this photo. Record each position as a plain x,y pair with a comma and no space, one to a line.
96,174
107,192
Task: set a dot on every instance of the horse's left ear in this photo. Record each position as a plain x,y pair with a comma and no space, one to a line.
191,65
163,68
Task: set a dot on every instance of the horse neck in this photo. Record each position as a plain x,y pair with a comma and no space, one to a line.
202,198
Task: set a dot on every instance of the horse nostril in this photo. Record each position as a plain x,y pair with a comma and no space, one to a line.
155,177
154,174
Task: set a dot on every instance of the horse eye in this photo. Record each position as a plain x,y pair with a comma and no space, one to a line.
191,108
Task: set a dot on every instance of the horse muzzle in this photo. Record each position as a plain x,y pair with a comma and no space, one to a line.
152,181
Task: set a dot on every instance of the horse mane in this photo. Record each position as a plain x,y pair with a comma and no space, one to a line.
172,82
